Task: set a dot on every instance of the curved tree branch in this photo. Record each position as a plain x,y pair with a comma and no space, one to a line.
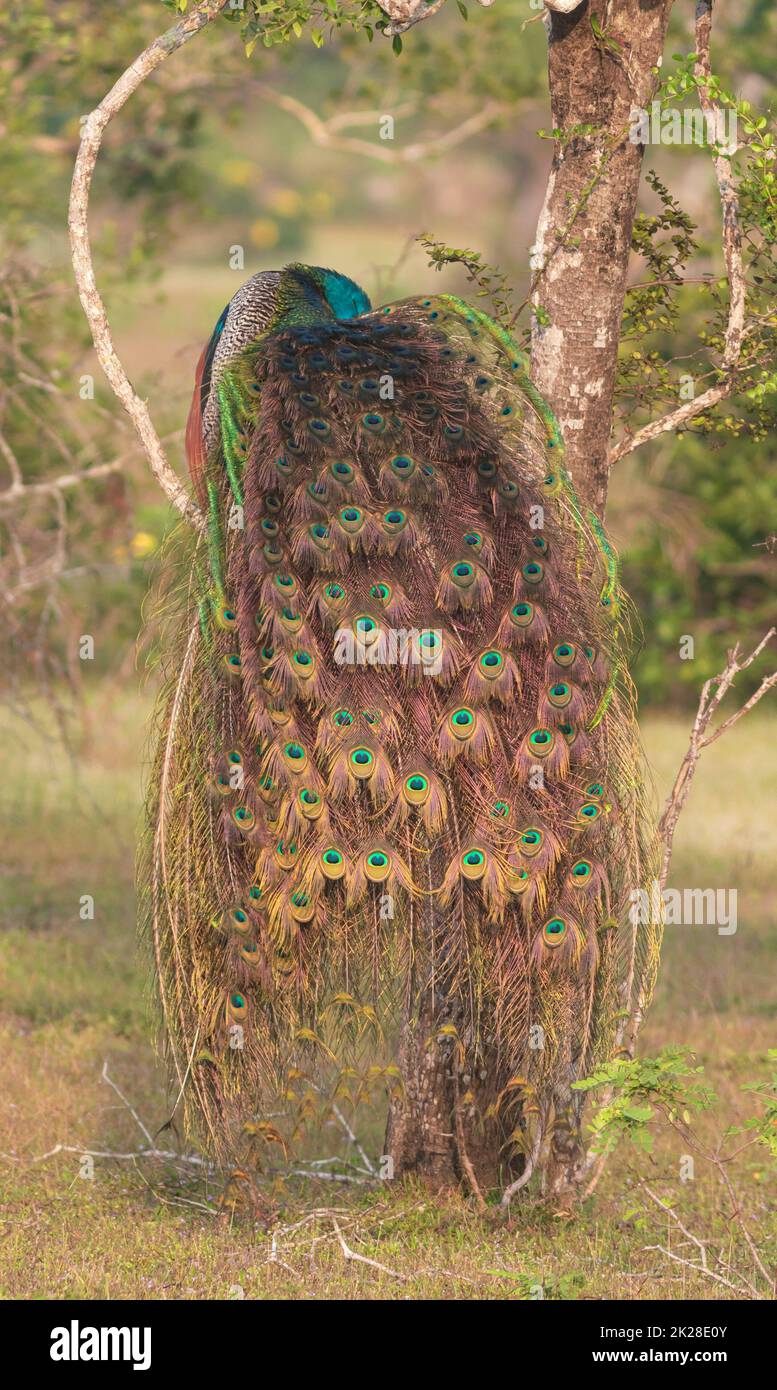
732,255
328,134
92,132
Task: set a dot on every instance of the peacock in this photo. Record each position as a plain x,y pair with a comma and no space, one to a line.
398,773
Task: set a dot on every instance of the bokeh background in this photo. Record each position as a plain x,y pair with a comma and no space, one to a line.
279,153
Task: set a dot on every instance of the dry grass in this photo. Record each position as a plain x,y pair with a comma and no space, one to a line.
72,994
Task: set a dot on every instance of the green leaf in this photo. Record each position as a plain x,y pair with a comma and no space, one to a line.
641,1113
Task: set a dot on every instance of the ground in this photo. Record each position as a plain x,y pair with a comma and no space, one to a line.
74,994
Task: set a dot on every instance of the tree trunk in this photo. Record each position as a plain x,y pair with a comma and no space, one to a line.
433,1131
583,241
581,257
420,1129
436,1128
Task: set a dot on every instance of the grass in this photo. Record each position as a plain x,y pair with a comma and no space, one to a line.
73,993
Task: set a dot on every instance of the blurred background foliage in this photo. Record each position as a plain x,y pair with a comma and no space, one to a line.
260,138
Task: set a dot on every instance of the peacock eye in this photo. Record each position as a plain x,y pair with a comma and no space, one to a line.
373,423
554,931
403,465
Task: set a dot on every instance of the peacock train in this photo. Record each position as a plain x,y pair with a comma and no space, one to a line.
397,753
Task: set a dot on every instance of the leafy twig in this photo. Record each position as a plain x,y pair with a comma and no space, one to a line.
732,255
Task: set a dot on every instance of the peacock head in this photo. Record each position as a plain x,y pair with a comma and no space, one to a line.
310,291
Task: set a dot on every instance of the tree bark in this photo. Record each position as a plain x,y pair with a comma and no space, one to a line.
581,258
583,240
432,1132
420,1127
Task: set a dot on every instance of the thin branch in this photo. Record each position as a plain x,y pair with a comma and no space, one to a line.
53,486
699,1269
133,1112
326,134
403,14
701,1246
92,132
713,692
353,1138
167,1154
275,1259
17,481
670,1211
732,256
363,1259
319,1176
461,1142
719,1164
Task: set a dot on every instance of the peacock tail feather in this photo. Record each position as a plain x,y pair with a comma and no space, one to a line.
397,744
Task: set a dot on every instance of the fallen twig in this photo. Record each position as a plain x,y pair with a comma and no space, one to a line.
167,1154
749,1291
133,1112
363,1259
